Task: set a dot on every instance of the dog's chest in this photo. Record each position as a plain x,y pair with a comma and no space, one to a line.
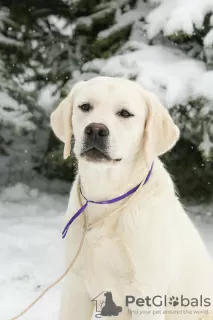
104,261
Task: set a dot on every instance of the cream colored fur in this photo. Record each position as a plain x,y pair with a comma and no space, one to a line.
148,248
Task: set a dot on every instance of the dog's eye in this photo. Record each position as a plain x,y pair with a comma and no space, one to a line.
125,114
85,107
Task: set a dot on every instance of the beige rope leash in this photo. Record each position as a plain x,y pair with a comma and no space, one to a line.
86,227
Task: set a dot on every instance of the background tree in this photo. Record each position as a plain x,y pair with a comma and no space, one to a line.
167,46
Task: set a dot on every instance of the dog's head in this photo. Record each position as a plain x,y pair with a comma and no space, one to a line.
113,120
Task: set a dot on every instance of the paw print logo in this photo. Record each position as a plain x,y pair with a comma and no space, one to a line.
173,301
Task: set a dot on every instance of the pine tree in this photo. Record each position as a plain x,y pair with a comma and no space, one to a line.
165,45
22,121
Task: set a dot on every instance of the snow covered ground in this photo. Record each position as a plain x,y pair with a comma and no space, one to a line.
31,249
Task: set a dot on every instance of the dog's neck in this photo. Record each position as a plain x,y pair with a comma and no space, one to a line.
101,182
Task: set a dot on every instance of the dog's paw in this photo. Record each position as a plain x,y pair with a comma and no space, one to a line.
174,301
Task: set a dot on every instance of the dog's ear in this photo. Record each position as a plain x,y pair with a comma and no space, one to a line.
160,133
61,120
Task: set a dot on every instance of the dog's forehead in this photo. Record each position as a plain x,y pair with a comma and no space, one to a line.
109,90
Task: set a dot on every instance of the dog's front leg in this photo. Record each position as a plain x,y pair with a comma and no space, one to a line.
75,304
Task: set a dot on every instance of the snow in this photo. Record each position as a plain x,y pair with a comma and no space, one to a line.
61,24
47,97
8,41
32,249
203,86
123,21
7,100
168,72
4,19
172,16
206,145
208,40
89,20
11,112
86,21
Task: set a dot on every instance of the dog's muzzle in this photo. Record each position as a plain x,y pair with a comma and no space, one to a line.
95,142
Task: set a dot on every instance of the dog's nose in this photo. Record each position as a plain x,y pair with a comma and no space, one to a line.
96,130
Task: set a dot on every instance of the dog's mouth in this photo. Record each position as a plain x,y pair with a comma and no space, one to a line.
95,155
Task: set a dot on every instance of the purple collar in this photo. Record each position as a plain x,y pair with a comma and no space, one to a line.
125,195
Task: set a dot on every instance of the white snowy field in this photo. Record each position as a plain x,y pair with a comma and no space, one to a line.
32,250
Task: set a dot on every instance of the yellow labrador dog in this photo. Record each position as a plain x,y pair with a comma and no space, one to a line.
147,260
